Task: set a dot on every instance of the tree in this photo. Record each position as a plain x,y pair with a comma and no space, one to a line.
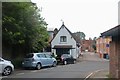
81,35
23,27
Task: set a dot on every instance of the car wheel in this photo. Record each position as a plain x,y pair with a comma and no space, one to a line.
54,64
38,66
7,71
65,62
74,62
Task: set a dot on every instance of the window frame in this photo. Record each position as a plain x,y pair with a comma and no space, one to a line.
63,38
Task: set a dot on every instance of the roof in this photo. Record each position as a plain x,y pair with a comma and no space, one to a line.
74,37
114,32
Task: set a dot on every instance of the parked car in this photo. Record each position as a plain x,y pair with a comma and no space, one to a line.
66,59
38,60
6,67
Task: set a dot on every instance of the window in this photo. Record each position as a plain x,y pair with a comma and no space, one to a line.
48,56
41,55
63,39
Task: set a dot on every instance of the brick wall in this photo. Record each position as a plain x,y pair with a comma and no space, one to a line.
115,58
102,46
112,59
87,45
118,58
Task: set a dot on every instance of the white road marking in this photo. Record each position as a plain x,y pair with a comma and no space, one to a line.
92,74
44,69
35,71
20,73
88,76
3,77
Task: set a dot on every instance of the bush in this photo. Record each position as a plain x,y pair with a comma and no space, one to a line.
17,63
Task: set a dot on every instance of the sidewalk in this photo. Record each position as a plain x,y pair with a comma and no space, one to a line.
100,74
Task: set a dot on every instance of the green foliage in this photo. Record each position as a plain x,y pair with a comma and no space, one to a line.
81,35
17,62
23,25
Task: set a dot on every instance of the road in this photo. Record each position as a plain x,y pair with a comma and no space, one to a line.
87,64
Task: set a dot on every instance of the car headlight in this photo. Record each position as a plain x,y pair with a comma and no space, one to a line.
22,62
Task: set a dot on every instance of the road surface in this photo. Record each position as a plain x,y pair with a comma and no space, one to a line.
85,65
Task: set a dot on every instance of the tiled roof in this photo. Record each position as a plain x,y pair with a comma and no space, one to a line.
112,32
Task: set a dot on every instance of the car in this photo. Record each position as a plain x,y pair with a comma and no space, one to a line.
66,59
6,67
38,60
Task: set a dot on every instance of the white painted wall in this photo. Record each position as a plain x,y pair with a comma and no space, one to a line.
70,41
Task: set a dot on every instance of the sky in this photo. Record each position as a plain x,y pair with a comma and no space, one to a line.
89,16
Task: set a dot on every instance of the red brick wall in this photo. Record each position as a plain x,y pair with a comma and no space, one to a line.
87,44
118,58
112,60
101,46
115,59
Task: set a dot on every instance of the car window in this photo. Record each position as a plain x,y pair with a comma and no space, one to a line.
48,56
1,60
41,55
29,55
66,55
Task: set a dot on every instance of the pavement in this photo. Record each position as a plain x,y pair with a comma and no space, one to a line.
100,74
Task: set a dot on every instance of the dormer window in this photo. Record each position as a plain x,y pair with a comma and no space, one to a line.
63,39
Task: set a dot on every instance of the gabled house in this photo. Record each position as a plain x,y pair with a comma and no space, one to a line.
65,42
51,32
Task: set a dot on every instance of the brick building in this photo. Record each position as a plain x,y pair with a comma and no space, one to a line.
114,51
103,46
87,45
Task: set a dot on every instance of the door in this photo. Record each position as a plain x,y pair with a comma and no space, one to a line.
42,59
49,60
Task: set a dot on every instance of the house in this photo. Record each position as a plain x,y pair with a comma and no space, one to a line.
65,42
88,45
103,46
51,32
114,33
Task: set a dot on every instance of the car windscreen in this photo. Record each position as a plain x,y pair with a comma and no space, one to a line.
65,55
29,56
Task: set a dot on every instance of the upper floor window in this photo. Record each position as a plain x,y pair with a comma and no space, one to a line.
63,39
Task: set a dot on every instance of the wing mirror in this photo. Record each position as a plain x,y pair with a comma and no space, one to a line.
1,60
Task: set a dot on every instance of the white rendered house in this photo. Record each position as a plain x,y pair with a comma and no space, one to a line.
65,43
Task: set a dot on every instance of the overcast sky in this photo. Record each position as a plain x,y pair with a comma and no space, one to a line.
89,16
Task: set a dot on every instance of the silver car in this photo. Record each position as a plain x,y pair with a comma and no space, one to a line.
38,60
6,67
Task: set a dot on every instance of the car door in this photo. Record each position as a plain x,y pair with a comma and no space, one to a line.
1,64
49,60
42,59
70,59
